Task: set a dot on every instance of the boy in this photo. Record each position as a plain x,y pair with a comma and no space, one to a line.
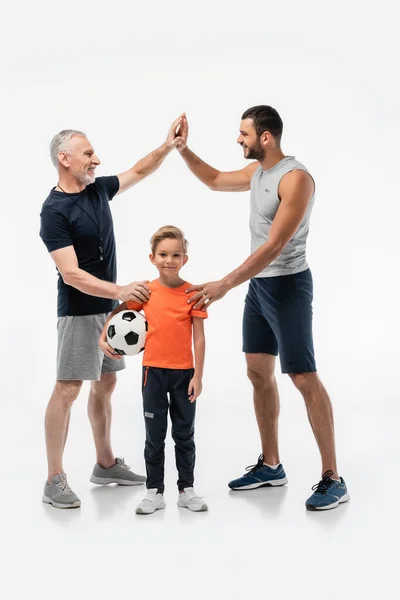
168,367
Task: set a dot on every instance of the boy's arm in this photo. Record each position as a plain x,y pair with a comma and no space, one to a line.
199,344
103,344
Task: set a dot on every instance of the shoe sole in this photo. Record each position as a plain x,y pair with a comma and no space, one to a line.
140,511
108,480
344,498
47,500
253,486
203,508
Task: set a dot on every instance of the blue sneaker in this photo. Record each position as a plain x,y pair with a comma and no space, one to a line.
259,475
329,493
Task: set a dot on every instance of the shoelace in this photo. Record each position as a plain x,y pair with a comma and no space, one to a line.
63,485
253,468
122,463
323,486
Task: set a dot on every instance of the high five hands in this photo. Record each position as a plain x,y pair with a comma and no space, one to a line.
178,133
207,293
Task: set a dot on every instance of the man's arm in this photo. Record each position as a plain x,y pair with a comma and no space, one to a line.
151,162
296,189
220,181
67,264
199,344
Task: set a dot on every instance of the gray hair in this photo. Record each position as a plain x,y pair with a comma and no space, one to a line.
60,141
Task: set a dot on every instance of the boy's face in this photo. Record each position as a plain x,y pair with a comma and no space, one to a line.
169,257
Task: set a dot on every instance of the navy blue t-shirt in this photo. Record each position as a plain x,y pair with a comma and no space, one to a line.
83,220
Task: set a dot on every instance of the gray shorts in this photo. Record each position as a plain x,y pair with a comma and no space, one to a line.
78,354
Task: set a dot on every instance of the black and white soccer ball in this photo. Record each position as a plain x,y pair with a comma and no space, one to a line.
126,332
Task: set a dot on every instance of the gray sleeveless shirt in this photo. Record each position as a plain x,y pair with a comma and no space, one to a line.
264,204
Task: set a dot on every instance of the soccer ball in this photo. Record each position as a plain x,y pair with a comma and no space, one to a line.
126,332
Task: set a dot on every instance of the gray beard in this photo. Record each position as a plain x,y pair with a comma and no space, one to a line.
85,179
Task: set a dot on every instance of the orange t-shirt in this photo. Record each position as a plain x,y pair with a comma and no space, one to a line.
169,317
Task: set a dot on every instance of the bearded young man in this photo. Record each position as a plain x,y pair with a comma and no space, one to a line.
278,307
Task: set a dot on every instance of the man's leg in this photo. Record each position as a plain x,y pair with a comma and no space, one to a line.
260,371
56,490
320,415
107,469
99,411
261,348
56,423
268,471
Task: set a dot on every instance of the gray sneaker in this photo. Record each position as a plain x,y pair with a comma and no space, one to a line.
59,494
119,473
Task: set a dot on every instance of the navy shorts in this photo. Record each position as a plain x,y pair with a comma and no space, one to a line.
277,319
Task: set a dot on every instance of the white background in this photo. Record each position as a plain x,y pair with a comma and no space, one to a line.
122,72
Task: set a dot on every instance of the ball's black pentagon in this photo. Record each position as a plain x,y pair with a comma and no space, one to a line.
146,326
131,338
111,331
128,316
119,351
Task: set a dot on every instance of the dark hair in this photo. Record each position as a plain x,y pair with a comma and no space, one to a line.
265,118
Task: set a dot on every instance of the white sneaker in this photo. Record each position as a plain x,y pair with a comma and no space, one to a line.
189,499
151,502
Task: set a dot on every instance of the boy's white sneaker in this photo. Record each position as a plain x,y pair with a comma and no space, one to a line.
189,499
151,502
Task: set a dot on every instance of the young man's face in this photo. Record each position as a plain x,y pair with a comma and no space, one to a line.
80,159
250,141
169,257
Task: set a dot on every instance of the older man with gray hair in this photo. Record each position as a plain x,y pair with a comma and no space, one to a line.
77,229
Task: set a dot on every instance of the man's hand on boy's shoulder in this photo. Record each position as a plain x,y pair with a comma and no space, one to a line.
195,387
138,291
207,293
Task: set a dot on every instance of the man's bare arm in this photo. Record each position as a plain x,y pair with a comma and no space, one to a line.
296,189
67,264
221,181
152,161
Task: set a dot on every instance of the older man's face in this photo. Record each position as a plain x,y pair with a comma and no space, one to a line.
81,159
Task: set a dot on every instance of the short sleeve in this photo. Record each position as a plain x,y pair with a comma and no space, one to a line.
108,186
132,305
54,230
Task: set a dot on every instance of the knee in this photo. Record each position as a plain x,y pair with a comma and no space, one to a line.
259,379
105,386
304,382
67,391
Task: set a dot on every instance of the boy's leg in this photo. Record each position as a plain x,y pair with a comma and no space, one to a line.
182,417
155,410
